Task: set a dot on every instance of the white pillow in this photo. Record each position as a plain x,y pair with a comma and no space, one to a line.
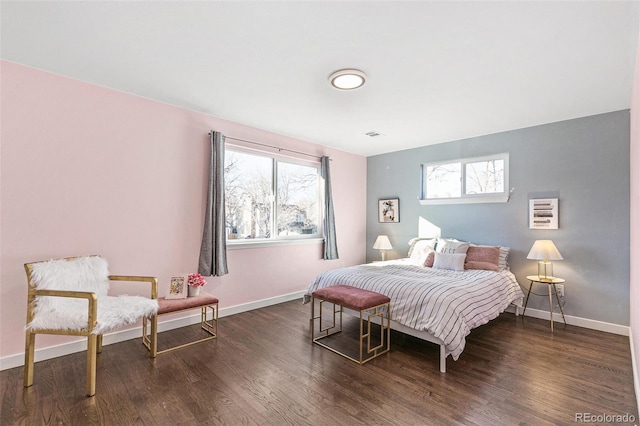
431,242
420,249
448,246
503,265
454,261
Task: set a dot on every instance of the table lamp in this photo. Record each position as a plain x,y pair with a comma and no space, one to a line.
544,251
382,243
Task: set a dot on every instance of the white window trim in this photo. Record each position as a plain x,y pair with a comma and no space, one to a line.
502,197
279,240
252,244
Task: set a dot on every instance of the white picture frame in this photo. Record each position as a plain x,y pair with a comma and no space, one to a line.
543,213
178,287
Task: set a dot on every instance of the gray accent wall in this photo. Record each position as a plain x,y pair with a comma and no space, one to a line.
583,162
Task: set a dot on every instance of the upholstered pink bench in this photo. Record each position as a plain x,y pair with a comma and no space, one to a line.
374,306
203,301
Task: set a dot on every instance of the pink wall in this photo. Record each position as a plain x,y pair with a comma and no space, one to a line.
89,170
635,214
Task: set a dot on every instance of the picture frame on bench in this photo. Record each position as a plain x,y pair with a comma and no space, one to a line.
178,287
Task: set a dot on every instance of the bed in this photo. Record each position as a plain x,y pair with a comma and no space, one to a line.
437,304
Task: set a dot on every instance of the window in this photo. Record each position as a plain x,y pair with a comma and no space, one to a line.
269,198
469,180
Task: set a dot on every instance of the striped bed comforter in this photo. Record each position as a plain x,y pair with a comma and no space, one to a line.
446,304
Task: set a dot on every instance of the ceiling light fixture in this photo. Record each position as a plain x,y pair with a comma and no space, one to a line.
347,79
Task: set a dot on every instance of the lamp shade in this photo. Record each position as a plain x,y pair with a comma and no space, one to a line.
382,243
544,250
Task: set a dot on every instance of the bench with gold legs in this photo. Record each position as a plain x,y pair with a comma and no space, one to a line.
372,307
209,323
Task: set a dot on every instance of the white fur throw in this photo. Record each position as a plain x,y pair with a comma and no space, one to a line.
88,274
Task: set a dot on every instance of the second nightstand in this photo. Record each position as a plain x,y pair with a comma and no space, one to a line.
550,282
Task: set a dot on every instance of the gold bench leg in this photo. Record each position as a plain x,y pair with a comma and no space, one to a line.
318,317
211,326
361,336
380,311
150,340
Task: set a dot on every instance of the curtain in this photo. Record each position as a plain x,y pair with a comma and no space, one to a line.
330,244
213,251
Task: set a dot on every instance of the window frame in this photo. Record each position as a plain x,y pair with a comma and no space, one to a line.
275,239
494,197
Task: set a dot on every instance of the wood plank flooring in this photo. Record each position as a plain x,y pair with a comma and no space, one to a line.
263,370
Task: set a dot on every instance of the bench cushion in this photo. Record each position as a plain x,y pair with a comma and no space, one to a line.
351,297
166,306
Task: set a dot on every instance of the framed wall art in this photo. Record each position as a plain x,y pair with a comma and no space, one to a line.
543,213
178,287
389,210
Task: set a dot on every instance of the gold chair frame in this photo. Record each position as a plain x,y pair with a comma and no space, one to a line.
94,341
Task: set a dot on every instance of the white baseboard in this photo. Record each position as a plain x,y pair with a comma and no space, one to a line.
634,368
608,327
17,360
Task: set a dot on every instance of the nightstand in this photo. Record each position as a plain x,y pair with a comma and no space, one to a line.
550,282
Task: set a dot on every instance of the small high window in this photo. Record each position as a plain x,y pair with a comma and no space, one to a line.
468,180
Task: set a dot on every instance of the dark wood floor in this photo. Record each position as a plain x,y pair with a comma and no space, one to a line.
263,370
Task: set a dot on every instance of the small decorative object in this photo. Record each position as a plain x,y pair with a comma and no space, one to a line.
389,210
177,287
543,213
544,251
383,244
195,281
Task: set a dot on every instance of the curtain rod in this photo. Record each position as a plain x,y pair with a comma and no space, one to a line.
272,146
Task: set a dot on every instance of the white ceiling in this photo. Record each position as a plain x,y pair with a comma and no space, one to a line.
438,71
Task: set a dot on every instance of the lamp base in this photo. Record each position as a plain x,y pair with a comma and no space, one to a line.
382,255
545,270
